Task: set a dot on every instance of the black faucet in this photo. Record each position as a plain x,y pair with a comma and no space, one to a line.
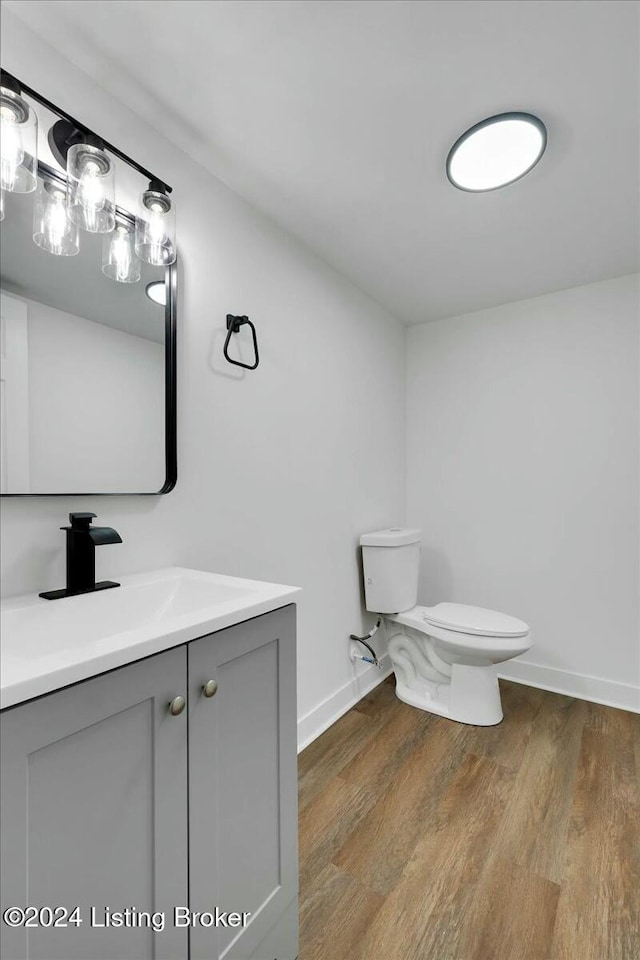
82,540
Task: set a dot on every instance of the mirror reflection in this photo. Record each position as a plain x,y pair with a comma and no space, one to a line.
83,357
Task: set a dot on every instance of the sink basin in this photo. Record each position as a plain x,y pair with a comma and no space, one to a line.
49,644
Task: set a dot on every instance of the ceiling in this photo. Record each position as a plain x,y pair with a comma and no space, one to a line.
335,117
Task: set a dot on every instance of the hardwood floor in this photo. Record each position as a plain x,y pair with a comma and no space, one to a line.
424,839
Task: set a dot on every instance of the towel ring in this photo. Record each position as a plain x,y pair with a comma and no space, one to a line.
233,326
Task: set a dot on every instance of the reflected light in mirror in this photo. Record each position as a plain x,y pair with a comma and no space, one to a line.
53,231
157,292
119,259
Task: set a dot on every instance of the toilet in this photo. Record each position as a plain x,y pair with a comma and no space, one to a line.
444,657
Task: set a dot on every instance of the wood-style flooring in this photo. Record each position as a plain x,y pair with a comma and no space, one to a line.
425,839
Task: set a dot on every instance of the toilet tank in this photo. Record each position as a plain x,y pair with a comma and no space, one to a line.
390,561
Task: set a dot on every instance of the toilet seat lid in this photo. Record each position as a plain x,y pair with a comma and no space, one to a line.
475,620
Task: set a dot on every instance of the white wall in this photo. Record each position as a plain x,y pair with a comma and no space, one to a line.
96,405
522,443
278,473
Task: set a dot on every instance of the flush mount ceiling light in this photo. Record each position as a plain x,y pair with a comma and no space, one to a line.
157,292
497,151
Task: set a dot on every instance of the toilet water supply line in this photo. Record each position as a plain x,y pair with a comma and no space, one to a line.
363,640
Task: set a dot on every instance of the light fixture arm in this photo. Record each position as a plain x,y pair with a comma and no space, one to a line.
157,186
64,134
10,83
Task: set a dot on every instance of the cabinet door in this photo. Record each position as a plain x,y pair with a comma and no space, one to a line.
94,813
242,786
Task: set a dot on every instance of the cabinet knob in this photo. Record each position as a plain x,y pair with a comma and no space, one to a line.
210,688
176,706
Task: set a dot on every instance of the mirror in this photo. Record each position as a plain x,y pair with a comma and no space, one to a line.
87,367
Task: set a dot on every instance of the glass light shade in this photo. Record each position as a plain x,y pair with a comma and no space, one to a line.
496,152
91,190
18,143
156,229
119,260
53,231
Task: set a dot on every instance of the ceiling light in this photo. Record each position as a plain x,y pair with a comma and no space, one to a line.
157,292
497,151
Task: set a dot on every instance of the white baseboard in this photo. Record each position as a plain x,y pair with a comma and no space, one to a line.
326,713
625,696
610,693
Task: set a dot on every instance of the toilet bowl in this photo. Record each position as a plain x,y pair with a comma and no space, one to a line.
444,657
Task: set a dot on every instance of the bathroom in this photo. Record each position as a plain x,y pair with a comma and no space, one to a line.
431,358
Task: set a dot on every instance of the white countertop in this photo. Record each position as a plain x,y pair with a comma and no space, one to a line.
48,644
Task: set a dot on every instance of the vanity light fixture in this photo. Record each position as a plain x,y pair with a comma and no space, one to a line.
18,139
91,184
156,226
496,152
86,197
157,291
119,260
53,230
91,188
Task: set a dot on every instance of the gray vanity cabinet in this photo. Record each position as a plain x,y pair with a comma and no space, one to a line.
242,787
94,812
111,800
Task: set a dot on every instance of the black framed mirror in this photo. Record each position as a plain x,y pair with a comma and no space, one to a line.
88,383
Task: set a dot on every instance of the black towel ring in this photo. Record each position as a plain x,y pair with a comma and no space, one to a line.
233,326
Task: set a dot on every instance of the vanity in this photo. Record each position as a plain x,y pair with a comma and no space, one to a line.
148,732
149,771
